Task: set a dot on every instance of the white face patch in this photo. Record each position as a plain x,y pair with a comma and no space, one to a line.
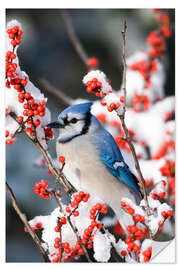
71,130
71,115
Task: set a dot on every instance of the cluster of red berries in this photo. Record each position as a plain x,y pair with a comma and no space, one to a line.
164,20
31,108
94,86
168,169
88,233
49,134
15,33
148,182
156,39
93,62
122,144
135,234
140,102
112,106
164,148
157,44
146,254
10,141
10,67
36,227
159,186
81,196
40,188
131,211
145,68
166,214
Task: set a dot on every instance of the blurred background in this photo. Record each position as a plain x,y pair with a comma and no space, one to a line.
46,52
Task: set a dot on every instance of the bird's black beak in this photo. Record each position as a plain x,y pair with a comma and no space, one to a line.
55,125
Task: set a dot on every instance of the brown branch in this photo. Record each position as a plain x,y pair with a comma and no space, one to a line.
122,118
73,37
66,100
79,240
74,229
23,218
59,176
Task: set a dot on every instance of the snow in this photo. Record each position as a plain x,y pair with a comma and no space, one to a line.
11,96
102,247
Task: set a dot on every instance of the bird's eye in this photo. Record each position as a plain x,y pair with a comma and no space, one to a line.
73,120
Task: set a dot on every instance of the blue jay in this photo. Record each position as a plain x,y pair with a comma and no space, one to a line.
94,162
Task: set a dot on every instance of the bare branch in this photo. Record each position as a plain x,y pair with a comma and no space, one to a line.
59,176
79,239
122,118
73,37
66,100
23,218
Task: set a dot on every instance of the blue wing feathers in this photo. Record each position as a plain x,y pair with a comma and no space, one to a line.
109,153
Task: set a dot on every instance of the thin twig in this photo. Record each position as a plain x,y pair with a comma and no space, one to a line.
66,100
73,228
23,218
73,37
122,118
79,240
59,176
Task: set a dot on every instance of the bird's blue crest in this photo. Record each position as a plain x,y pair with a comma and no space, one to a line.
82,108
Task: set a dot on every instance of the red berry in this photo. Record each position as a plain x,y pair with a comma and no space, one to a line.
38,225
21,96
122,99
123,204
80,251
68,209
170,212
57,239
9,142
56,228
13,42
162,195
123,253
7,133
137,218
18,41
93,223
27,95
30,113
75,213
61,159
131,211
23,82
40,108
56,245
41,114
20,119
93,61
89,245
63,220
31,101
26,106
11,35
67,250
13,56
164,213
